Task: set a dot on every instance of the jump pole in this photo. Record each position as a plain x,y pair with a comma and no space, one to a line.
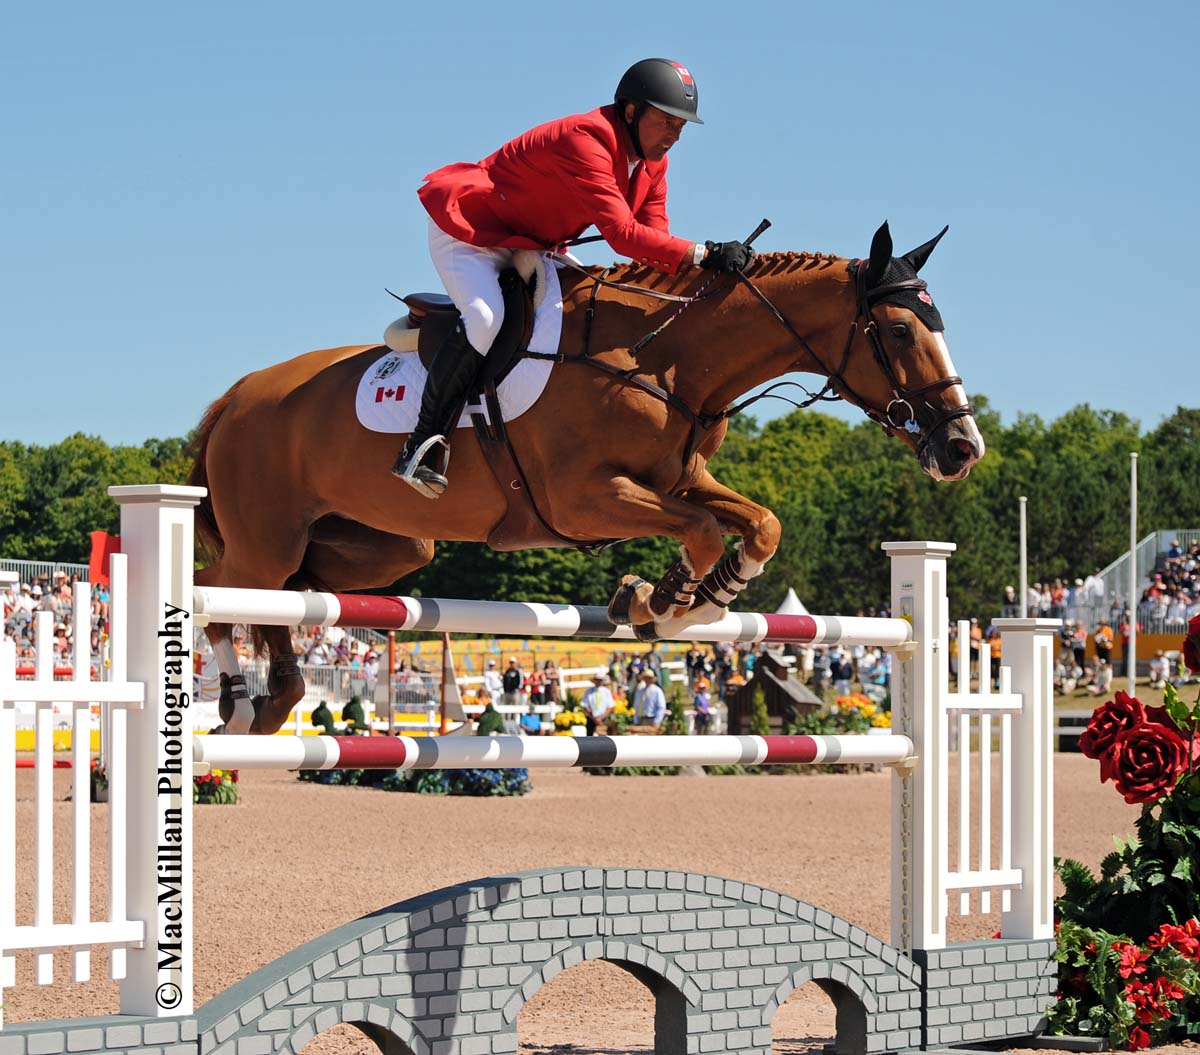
218,604
550,752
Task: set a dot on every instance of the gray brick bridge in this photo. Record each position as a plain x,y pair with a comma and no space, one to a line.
447,973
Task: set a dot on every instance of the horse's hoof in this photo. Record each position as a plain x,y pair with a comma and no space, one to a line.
646,632
620,608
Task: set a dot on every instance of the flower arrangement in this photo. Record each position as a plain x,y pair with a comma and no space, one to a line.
565,719
620,718
219,787
490,783
1129,939
860,706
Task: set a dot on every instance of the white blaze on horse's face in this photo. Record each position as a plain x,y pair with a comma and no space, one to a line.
965,432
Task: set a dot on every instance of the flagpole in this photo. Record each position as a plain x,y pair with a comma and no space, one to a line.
391,681
1024,562
1131,614
444,725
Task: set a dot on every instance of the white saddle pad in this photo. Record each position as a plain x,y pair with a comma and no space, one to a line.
389,394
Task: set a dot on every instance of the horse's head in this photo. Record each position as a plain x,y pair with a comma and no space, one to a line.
897,368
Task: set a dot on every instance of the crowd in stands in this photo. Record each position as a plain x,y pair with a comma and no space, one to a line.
21,601
1173,594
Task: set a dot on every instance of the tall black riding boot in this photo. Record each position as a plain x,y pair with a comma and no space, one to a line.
423,462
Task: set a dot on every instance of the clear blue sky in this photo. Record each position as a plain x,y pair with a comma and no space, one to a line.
191,192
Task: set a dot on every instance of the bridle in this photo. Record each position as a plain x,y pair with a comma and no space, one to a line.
909,409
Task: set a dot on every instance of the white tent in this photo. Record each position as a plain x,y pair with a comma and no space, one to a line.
792,605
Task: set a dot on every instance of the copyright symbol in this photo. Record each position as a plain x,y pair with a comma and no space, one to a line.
168,996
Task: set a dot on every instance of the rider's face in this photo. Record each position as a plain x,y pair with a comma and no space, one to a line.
658,131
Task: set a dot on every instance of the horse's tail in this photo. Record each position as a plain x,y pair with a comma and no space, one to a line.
209,543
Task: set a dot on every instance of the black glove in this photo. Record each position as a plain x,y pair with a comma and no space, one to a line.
727,256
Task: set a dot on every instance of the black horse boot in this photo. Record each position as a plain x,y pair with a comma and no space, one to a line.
423,462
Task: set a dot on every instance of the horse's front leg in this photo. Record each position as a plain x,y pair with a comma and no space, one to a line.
621,506
759,530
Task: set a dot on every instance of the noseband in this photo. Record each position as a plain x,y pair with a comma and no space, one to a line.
909,409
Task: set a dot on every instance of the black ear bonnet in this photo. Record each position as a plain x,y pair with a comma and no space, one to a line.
918,301
893,280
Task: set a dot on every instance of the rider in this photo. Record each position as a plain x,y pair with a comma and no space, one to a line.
608,168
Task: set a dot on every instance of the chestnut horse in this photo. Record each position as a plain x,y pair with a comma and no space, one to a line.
300,494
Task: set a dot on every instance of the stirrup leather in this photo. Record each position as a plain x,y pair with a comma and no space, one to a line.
427,480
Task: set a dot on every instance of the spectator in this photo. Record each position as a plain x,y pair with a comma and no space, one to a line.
1079,636
649,702
553,682
493,685
842,672
537,687
1102,679
1159,668
702,705
1103,640
822,670
511,684
976,643
1010,606
597,703
994,647
531,721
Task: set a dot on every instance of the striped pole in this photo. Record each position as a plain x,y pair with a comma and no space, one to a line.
219,604
551,752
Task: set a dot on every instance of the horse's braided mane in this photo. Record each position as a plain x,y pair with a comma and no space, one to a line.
764,264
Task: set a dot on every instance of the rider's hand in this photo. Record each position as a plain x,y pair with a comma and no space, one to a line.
727,256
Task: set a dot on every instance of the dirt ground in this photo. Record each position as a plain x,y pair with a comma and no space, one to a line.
294,860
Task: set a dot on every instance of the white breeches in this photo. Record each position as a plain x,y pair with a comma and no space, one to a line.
471,277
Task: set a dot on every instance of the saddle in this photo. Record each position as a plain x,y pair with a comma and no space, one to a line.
434,315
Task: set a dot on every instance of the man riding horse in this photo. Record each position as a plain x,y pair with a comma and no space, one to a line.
607,168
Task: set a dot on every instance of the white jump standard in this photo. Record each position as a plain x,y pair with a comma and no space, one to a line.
435,976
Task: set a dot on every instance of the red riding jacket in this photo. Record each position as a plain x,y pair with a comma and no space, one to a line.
549,185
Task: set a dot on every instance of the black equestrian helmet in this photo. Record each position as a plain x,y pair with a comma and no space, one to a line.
661,83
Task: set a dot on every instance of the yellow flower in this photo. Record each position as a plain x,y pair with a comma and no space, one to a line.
882,720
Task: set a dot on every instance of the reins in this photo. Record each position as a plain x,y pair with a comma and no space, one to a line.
908,410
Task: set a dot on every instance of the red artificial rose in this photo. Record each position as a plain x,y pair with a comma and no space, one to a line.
1184,939
1165,989
1141,997
1133,960
1191,645
1138,1039
1119,715
1145,762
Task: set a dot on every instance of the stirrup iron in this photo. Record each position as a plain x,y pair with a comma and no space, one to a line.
426,480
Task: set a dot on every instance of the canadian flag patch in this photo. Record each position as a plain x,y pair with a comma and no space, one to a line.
685,76
383,395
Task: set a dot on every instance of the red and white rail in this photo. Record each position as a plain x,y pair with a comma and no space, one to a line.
550,752
222,604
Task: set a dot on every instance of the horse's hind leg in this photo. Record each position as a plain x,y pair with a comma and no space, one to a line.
266,567
347,556
285,685
235,697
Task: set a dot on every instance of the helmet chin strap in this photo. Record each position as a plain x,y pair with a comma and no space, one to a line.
638,110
